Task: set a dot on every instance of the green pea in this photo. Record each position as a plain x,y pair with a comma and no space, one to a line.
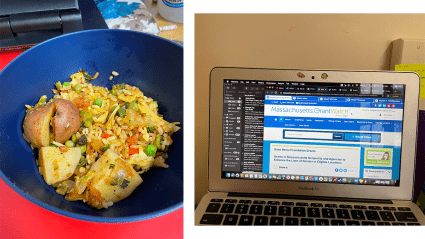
74,138
150,150
83,148
98,102
66,84
78,88
87,124
69,144
121,112
88,117
133,106
82,113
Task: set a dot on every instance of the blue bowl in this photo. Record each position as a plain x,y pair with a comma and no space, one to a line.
153,64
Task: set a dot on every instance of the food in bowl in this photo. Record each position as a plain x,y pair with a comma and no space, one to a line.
94,143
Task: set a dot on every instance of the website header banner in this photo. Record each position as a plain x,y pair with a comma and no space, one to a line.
333,112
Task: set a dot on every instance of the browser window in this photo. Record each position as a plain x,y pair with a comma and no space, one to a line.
307,131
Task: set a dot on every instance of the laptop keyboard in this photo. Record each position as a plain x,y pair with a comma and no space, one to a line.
277,213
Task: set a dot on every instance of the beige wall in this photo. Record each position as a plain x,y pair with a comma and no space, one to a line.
300,41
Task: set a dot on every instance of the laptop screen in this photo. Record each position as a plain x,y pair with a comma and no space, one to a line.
310,131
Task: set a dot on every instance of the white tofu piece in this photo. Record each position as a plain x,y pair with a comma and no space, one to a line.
113,180
56,166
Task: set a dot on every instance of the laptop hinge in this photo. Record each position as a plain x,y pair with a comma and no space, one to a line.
303,197
34,27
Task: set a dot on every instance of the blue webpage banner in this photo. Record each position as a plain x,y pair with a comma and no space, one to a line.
333,123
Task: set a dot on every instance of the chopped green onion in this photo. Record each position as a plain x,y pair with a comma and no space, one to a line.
105,147
111,165
85,74
158,140
69,144
66,84
150,129
126,92
121,112
98,102
58,85
113,108
150,150
114,90
41,101
82,161
53,145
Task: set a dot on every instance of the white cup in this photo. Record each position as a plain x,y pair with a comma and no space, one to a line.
172,10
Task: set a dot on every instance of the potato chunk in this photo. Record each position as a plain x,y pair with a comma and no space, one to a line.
66,121
113,180
36,125
57,166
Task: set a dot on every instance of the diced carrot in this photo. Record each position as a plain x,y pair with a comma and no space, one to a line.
133,151
105,135
81,102
132,140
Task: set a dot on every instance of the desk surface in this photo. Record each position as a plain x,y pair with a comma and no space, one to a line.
176,35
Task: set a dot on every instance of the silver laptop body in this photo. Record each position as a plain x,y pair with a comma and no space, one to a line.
311,147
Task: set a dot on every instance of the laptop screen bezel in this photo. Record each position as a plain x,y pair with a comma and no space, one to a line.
408,151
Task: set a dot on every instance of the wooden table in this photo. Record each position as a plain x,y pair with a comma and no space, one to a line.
176,35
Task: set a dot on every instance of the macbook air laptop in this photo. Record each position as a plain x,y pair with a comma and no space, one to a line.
311,147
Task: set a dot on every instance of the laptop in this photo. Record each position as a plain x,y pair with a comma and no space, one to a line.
311,147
